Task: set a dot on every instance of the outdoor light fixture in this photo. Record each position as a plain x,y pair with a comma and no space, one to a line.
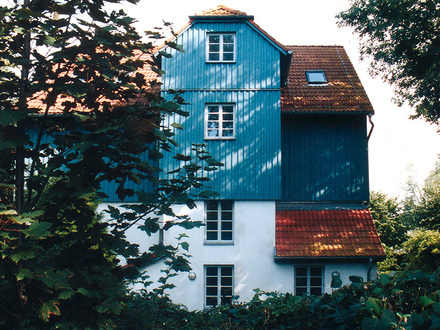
192,276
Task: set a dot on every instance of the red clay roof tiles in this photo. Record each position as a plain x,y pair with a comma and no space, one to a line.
326,234
343,92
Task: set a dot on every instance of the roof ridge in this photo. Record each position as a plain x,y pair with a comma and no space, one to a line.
221,10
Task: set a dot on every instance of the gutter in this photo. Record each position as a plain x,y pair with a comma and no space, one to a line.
372,126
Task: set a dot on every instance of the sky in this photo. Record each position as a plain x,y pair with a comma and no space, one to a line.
399,147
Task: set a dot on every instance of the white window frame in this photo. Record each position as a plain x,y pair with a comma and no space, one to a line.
219,222
310,286
224,118
216,284
222,44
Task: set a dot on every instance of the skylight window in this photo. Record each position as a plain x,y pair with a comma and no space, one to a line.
316,77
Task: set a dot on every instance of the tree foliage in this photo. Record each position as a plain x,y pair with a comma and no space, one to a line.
77,111
402,39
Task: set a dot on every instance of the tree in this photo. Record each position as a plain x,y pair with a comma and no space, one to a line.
387,218
402,39
77,110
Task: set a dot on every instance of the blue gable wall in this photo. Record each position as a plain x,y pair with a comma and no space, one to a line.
252,160
324,158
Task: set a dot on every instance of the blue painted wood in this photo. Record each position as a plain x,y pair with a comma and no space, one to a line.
257,63
324,158
252,168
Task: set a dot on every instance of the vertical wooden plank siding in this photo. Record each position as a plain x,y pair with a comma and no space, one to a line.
257,63
324,158
252,161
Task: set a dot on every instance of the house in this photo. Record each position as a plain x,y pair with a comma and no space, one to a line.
290,125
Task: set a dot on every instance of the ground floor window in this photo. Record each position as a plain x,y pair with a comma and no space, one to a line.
308,280
218,285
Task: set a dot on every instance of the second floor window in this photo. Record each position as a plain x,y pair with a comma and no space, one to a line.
219,122
220,47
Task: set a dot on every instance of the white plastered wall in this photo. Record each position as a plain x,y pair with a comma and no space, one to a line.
251,254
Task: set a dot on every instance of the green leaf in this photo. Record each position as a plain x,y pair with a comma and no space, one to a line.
22,253
23,273
49,308
374,305
425,301
66,294
436,308
38,229
177,125
185,246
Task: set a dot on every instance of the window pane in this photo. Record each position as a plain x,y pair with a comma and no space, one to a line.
315,281
226,271
212,281
212,271
213,133
228,133
213,124
212,225
212,205
211,236
211,301
228,38
226,215
227,236
213,108
226,225
226,116
301,271
211,290
226,291
228,48
228,108
301,281
214,39
214,48
212,215
212,116
227,205
214,56
226,280
228,56
315,271
228,124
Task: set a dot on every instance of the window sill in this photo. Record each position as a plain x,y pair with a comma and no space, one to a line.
219,138
220,62
218,243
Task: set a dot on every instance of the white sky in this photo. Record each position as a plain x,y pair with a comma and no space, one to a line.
396,142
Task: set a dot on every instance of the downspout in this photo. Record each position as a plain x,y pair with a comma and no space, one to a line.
370,266
372,126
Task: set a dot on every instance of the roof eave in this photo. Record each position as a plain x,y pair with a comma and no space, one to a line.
348,259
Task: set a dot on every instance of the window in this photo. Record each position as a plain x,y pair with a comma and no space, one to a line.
218,285
316,77
308,280
219,123
220,47
219,221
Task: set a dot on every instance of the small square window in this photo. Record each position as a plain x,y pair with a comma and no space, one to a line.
308,280
316,77
219,121
220,47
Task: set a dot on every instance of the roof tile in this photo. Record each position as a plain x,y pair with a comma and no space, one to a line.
331,233
343,92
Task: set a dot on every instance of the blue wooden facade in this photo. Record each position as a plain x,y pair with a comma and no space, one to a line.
252,160
325,158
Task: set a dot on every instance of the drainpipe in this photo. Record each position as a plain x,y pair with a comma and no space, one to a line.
370,266
372,126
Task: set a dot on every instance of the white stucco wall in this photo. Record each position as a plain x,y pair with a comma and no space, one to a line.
251,254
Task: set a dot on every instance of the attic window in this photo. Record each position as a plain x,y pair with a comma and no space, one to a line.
316,77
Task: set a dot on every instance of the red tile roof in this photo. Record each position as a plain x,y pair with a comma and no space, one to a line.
305,234
344,92
221,10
